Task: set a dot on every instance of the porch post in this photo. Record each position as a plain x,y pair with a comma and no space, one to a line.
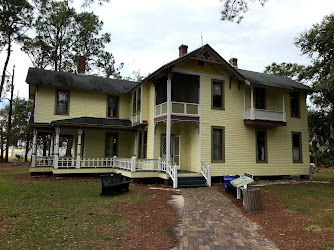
51,145
169,111
133,164
56,149
252,104
34,149
79,148
284,114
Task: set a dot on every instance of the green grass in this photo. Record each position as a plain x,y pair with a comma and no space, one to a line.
67,214
314,199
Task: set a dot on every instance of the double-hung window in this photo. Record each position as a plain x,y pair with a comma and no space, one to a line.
142,145
217,94
136,101
217,144
294,104
112,111
296,147
261,146
62,102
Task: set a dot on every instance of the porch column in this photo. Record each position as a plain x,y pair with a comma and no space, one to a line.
252,104
284,114
34,148
169,111
56,149
79,148
51,145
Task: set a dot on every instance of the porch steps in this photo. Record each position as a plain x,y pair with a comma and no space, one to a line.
184,182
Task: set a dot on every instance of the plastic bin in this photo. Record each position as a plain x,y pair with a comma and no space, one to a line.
227,180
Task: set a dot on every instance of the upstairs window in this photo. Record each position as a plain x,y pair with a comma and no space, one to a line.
62,101
296,147
217,146
136,100
112,106
201,63
217,94
294,103
260,98
261,146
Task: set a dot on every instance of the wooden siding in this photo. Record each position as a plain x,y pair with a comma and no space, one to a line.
81,103
208,68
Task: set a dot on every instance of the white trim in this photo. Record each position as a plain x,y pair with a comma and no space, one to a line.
168,125
35,108
141,104
193,72
247,82
153,122
200,121
179,153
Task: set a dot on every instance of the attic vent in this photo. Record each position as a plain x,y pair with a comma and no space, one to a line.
201,63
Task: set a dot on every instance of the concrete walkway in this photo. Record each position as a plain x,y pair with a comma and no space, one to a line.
211,221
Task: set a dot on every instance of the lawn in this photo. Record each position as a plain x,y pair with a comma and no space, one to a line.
67,213
314,200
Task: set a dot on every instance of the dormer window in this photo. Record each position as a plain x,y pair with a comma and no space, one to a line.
201,63
112,111
62,101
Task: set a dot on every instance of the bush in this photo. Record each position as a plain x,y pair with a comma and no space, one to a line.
326,158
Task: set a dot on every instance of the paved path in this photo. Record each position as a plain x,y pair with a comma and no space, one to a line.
211,221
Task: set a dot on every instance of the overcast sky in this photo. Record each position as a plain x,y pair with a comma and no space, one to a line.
146,34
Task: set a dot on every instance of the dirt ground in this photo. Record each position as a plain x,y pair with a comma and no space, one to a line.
282,225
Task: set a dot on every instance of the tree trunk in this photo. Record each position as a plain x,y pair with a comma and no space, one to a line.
45,144
69,146
315,157
3,77
1,156
27,147
9,127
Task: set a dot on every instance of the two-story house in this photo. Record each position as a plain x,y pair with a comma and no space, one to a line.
195,116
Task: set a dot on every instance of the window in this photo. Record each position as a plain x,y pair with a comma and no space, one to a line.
112,106
260,98
296,147
142,145
217,94
261,146
62,101
294,103
217,144
201,63
136,100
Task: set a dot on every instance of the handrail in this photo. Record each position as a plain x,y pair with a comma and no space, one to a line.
172,171
206,172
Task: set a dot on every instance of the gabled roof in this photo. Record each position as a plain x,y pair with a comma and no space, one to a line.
78,81
272,80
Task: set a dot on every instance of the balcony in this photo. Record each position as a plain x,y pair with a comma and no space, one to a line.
178,108
265,117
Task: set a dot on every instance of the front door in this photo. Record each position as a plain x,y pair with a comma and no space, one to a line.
111,145
175,149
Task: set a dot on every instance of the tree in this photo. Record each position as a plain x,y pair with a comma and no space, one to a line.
15,18
318,44
20,130
234,9
62,35
290,70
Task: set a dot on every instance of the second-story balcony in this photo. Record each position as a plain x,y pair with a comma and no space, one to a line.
182,91
258,114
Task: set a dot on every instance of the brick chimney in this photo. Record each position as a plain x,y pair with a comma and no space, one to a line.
234,62
81,65
183,49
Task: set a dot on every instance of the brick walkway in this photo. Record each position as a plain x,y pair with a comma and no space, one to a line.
211,221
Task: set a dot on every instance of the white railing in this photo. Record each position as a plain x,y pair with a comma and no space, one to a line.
44,161
124,163
180,108
147,164
263,114
172,171
96,162
66,162
206,172
162,165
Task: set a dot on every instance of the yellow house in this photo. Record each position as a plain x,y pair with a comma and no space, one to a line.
195,116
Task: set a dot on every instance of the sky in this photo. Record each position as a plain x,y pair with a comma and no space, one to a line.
146,34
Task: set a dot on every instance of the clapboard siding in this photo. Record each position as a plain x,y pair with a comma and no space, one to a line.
81,103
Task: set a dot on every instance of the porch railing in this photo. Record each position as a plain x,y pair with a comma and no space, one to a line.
172,171
96,162
66,162
181,108
263,114
206,172
44,161
147,164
